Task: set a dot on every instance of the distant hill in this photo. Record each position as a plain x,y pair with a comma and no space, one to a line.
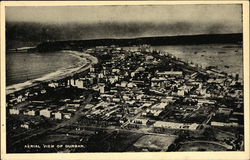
154,41
28,34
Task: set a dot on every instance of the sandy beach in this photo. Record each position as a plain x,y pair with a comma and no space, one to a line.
85,61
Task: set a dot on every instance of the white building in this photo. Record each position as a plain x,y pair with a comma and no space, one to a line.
140,121
14,111
58,115
169,73
67,115
100,75
207,101
74,105
53,84
181,92
116,70
92,69
160,106
76,83
29,112
45,113
25,125
124,84
113,79
222,124
131,85
173,125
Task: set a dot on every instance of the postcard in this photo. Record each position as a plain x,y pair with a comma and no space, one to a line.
125,80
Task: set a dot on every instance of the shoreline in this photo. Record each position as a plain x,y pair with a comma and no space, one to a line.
87,59
61,73
209,56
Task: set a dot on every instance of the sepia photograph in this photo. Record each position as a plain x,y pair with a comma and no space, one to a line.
132,77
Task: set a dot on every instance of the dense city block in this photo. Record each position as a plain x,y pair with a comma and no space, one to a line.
134,99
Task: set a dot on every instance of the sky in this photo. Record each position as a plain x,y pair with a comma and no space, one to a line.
147,19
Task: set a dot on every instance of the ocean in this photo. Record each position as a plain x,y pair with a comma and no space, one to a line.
227,57
22,67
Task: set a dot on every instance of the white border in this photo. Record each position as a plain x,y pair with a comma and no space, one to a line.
149,155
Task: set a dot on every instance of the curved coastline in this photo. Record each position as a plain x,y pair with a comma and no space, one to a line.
86,60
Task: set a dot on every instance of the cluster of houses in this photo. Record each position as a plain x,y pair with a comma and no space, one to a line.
143,83
47,110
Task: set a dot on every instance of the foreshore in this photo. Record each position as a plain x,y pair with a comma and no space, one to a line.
85,62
